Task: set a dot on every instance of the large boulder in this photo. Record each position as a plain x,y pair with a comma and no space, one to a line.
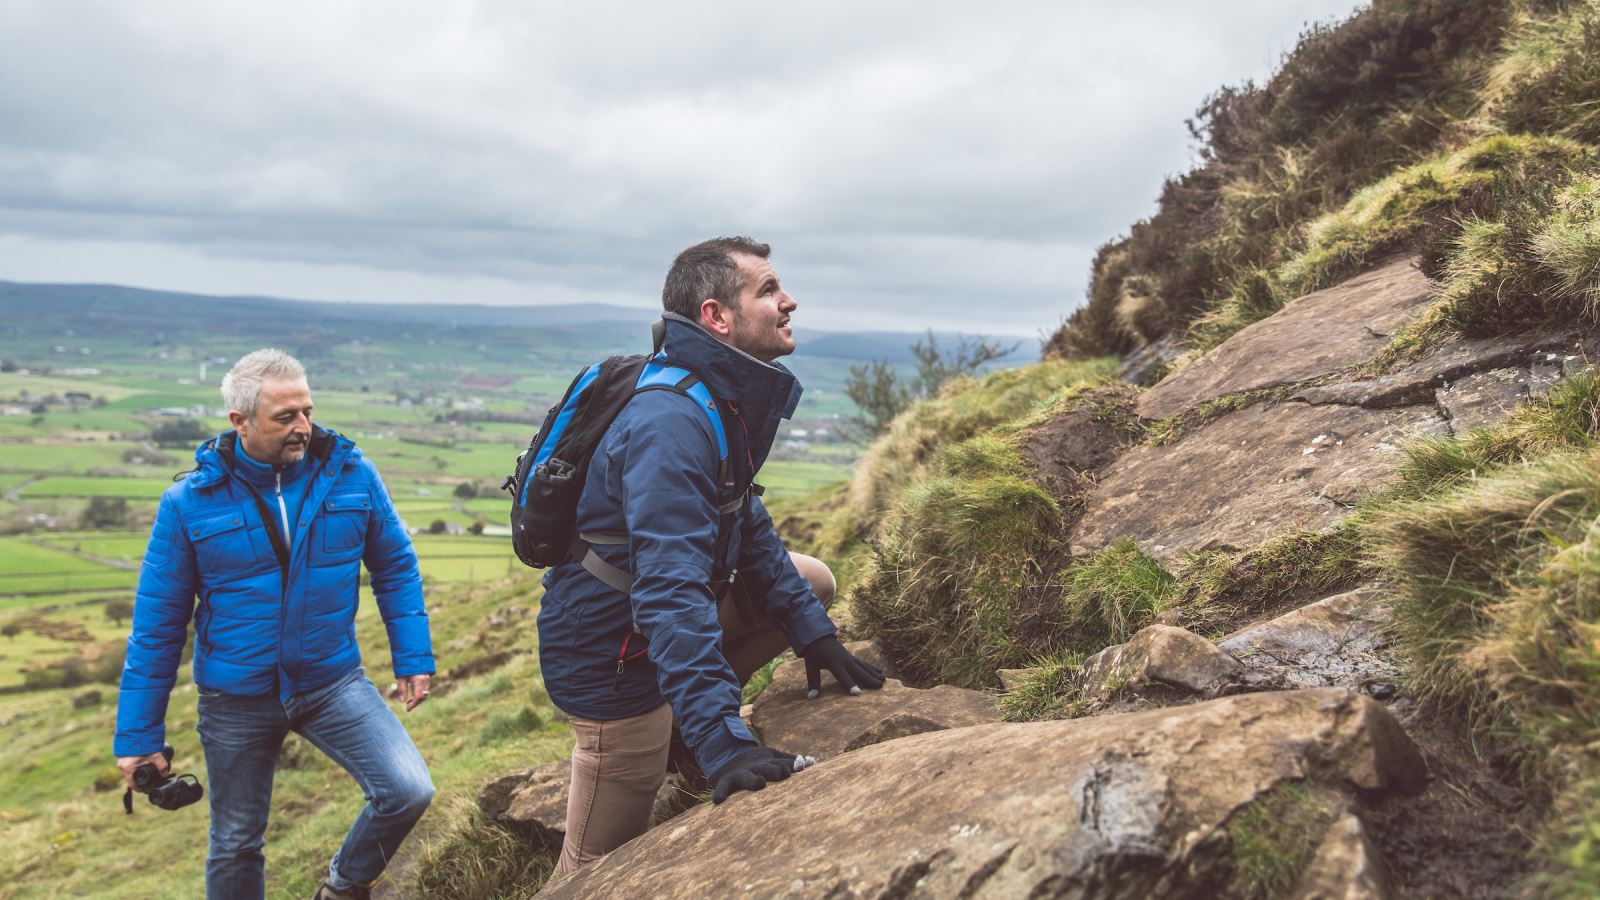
1249,476
836,722
1337,641
1138,804
1319,334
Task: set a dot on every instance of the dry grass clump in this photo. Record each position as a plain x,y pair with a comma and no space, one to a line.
1549,77
1497,601
472,858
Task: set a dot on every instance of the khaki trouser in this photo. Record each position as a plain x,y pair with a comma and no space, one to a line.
620,765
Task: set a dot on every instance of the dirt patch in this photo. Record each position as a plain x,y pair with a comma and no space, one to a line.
1071,449
1468,834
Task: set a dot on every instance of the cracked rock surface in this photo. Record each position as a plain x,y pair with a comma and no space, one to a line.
835,723
1318,334
1247,477
1337,641
1115,805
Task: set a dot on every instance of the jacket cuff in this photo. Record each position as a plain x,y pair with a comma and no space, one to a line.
724,744
142,744
809,627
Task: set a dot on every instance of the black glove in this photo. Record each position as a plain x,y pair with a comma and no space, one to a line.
849,671
750,771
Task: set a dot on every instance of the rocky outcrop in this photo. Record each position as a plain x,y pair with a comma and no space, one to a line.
836,723
1319,334
1249,476
1159,655
532,803
1137,804
1336,641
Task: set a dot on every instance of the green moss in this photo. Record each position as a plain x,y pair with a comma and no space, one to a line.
1274,838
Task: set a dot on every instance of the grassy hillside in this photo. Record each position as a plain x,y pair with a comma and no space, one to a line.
1460,130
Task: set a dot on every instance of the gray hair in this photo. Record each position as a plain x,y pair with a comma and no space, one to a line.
241,387
707,270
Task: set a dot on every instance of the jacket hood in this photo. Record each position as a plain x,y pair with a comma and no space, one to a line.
731,373
214,458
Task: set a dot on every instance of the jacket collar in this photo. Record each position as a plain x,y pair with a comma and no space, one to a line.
216,458
729,372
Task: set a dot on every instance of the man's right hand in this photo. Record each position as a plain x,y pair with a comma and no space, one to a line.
752,769
128,763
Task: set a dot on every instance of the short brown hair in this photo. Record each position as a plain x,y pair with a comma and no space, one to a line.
707,270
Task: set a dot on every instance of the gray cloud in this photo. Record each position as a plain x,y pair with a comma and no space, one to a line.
913,163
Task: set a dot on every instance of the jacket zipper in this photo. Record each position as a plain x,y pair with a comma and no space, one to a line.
283,511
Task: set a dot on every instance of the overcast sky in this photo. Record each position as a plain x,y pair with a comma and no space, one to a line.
914,164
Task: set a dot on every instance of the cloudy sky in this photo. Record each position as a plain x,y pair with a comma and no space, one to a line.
914,164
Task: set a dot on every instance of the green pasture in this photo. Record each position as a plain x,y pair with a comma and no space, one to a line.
128,546
14,386
787,478
70,486
47,456
19,556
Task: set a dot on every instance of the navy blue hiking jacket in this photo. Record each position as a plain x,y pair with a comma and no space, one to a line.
265,625
654,477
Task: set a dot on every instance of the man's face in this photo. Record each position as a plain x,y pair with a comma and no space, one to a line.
759,325
280,431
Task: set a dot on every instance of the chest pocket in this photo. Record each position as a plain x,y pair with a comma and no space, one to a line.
344,522
223,542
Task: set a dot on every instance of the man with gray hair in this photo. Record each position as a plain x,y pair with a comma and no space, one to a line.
270,531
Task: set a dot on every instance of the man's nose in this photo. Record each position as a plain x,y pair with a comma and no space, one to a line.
786,302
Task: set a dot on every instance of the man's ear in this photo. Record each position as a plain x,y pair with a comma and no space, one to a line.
237,419
714,317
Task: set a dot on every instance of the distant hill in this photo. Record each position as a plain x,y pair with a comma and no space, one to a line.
47,308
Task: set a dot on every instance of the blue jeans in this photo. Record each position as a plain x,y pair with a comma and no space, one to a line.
346,720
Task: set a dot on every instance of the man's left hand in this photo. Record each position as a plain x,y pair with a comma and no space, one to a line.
851,672
414,690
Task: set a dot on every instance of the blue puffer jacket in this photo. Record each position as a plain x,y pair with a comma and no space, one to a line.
653,477
263,626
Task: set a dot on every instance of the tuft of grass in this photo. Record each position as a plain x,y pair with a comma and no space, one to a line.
1497,601
503,726
1566,418
472,858
1221,588
1274,838
1549,76
967,407
956,567
1112,594
1049,693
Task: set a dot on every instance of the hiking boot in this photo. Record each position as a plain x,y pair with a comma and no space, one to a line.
353,892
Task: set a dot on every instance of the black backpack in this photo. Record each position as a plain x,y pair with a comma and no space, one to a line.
550,473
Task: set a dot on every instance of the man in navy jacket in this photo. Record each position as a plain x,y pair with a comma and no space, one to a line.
700,590
270,531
